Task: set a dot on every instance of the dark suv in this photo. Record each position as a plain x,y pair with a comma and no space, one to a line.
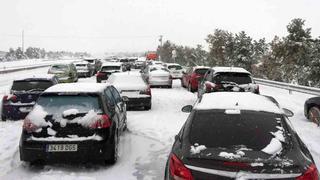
74,123
238,139
227,79
23,95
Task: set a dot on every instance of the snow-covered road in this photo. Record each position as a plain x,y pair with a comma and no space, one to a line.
145,146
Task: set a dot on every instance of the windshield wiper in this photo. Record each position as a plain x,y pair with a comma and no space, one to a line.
35,89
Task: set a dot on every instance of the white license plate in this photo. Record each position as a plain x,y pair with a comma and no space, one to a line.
25,109
62,147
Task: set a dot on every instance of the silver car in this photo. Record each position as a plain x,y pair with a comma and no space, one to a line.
157,75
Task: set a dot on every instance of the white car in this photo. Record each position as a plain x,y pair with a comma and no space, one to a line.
107,69
133,86
175,69
157,75
83,69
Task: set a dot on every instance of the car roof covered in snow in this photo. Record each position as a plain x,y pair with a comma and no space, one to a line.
111,64
81,62
200,67
230,69
237,101
77,88
37,77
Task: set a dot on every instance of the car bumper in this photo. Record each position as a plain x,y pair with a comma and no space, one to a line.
87,151
160,83
14,112
138,102
83,74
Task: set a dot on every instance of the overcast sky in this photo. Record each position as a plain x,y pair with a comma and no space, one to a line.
135,25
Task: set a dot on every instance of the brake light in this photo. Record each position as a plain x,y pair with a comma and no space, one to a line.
29,126
177,170
310,174
102,122
5,98
99,74
12,98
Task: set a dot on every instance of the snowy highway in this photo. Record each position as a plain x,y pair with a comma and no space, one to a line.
145,146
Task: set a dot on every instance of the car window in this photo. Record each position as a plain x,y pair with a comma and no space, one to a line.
108,68
239,78
110,99
55,104
201,71
31,85
215,129
116,95
59,67
174,67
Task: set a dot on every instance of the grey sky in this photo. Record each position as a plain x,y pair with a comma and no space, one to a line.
134,25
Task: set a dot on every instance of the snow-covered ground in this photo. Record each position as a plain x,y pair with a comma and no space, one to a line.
145,146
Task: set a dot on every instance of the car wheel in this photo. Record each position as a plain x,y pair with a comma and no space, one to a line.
3,118
314,115
115,150
170,86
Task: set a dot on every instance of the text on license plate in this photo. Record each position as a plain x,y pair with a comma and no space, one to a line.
62,147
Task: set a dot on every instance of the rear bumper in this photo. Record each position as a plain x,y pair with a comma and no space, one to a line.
160,83
139,102
13,112
87,151
83,74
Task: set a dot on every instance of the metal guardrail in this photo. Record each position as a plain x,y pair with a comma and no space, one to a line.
289,87
22,68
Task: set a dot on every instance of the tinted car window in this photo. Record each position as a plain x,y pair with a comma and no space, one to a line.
81,65
176,67
215,129
108,68
116,94
57,104
201,71
110,99
90,61
239,78
31,85
60,67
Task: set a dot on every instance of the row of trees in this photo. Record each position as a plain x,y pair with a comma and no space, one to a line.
37,53
293,58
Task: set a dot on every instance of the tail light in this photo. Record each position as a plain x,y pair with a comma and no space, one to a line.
177,170
147,91
12,98
99,74
310,174
29,126
103,121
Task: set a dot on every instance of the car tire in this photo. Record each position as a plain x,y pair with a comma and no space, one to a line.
115,149
314,115
3,118
170,86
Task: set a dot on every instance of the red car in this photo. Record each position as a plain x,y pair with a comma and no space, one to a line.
192,76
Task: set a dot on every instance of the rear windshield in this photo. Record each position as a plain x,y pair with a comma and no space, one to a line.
201,71
81,65
36,85
215,129
90,61
60,67
176,67
108,68
124,60
239,78
56,104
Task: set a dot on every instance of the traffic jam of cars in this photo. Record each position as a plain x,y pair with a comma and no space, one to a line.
232,131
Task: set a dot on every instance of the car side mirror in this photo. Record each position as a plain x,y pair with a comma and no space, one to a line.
287,112
125,99
187,108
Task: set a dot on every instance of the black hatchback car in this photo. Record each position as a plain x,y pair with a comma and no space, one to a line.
75,122
23,94
238,139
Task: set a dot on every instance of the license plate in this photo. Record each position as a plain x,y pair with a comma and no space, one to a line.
25,109
62,147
